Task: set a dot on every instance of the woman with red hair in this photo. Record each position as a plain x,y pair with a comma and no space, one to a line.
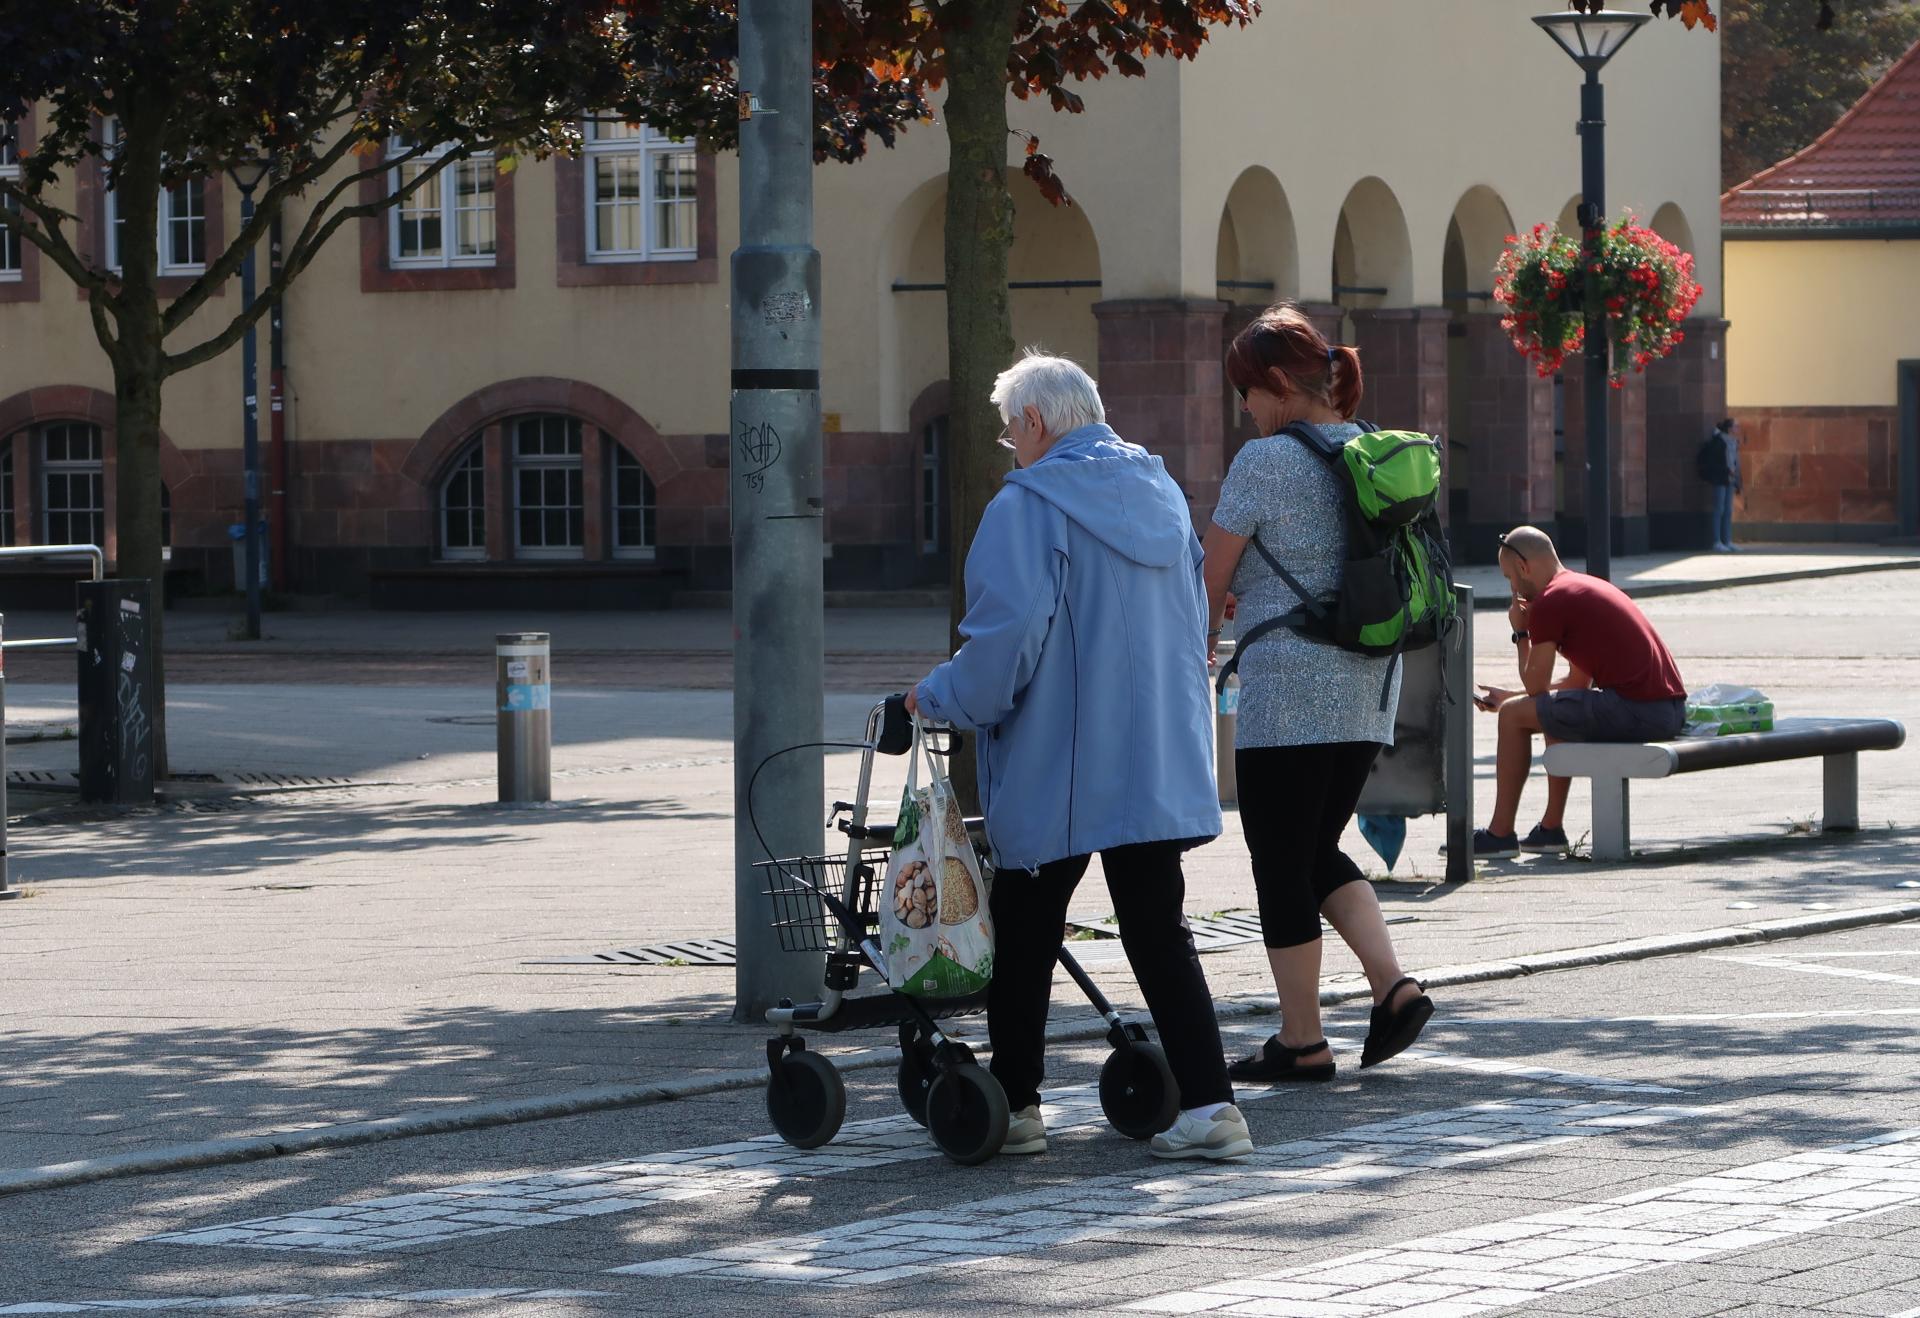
1311,716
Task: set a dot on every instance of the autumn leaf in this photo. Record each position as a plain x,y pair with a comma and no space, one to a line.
1698,11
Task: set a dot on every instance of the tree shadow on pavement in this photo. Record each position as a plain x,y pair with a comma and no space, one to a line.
240,837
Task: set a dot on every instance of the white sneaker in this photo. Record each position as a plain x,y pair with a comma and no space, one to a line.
1223,1135
1026,1132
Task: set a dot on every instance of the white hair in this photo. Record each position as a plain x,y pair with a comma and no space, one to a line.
1065,396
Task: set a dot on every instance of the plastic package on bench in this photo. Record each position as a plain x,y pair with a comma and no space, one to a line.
1721,710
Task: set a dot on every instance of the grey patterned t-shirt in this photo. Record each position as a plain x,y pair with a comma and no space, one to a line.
1295,691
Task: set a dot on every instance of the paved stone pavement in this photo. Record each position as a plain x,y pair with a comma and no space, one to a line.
1724,1133
299,959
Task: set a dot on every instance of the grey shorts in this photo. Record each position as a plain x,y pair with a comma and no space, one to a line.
1596,715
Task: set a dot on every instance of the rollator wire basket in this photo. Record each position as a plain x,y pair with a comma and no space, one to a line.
800,917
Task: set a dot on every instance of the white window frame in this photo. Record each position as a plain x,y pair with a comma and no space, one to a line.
446,185
49,468
649,507
473,456
173,208
12,246
646,146
544,462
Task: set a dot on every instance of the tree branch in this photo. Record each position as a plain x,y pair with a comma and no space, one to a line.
49,238
227,264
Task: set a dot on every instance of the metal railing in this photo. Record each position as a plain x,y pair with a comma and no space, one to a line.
92,553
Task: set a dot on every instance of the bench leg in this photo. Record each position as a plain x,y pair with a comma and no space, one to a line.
1611,831
1841,813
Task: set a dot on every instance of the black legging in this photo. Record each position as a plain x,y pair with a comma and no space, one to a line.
1295,802
1149,895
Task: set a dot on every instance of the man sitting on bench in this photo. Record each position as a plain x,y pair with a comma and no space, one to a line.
1622,685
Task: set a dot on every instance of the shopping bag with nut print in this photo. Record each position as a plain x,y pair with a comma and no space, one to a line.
934,925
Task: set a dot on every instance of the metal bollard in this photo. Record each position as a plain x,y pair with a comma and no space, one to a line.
7,890
1226,718
524,698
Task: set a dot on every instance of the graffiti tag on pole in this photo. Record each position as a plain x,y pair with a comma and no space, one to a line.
759,451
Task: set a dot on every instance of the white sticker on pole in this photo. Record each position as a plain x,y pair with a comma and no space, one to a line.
516,669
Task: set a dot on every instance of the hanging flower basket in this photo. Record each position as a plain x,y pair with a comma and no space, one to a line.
1642,285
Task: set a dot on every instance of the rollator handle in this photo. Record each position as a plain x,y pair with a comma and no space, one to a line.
896,727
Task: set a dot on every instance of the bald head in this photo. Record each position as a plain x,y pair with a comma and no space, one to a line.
1528,560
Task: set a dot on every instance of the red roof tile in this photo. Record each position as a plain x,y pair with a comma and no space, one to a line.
1862,172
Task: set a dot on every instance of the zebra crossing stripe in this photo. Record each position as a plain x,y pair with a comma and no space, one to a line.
1461,1273
191,1303
885,1249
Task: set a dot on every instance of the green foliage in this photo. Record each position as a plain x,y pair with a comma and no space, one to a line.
1782,84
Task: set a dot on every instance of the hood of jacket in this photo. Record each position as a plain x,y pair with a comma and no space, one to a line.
1117,492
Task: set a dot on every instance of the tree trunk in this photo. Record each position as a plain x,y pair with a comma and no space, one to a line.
979,325
136,397
138,373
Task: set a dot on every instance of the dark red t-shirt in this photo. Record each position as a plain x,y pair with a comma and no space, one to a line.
1603,634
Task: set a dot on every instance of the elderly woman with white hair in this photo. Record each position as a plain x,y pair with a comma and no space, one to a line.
1084,668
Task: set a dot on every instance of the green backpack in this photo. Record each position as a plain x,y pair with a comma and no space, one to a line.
1396,587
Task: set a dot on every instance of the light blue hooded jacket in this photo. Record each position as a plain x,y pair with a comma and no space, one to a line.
1084,663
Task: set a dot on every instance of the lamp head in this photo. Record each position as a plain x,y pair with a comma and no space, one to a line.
248,173
1592,39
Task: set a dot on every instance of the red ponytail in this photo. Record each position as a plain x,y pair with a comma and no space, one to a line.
1283,340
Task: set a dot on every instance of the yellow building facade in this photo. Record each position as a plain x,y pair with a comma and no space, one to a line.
522,394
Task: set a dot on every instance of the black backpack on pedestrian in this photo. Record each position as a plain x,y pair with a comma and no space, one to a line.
1710,462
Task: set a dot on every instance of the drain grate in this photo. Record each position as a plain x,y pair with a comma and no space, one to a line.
269,782
41,778
689,952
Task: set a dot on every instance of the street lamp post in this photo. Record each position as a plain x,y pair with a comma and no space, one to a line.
247,176
1592,40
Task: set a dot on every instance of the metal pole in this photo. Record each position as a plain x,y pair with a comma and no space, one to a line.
523,695
249,371
7,891
775,490
1593,217
1459,740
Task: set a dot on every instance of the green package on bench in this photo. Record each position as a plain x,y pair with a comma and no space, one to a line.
1726,720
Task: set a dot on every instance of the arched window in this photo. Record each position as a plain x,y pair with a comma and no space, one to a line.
73,485
549,487
633,506
463,506
933,492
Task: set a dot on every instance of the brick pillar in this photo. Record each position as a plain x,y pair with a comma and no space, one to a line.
1236,426
1403,354
1627,413
1508,439
1686,398
1161,380
498,464
596,537
1326,317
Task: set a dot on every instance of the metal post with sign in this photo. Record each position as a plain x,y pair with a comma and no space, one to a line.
523,697
115,692
7,890
775,492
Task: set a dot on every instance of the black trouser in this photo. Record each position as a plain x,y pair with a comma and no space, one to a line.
1295,802
1149,895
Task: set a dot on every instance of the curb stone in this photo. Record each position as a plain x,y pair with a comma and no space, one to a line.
602,1098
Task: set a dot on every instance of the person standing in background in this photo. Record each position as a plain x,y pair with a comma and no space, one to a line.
1719,466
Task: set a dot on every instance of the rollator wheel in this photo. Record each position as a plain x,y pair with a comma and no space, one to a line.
807,1101
967,1114
914,1078
1137,1091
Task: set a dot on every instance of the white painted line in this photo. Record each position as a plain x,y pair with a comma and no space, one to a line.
190,1303
1517,1262
639,1184
1909,953
1842,972
885,1249
1485,1066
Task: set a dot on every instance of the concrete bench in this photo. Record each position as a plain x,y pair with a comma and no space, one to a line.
1836,741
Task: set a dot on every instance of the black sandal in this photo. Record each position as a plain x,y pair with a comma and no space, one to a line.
1277,1062
1391,1032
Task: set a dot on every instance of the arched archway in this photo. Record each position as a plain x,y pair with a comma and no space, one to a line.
1372,252
1476,409
1569,219
1670,222
1257,254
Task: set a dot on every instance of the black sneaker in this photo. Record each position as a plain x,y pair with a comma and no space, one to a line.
1488,845
1544,841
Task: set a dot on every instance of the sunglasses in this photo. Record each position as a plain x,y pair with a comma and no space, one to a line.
1510,549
